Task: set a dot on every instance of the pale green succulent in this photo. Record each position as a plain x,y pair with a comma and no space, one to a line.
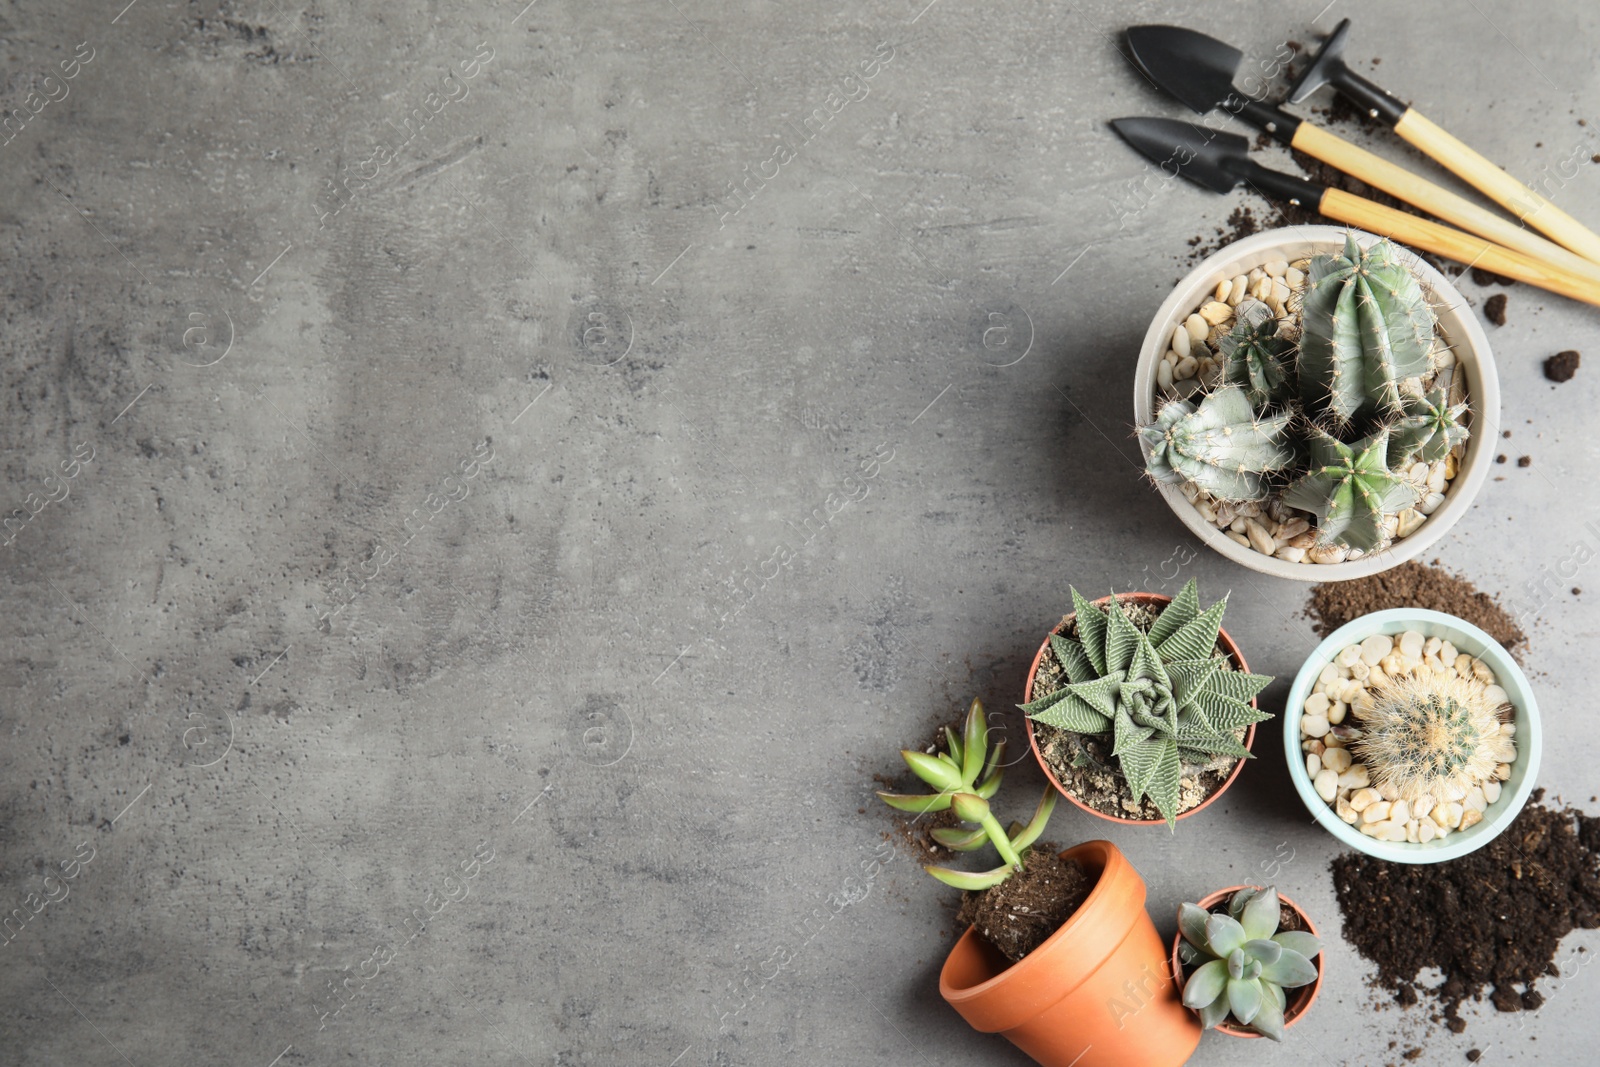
1164,696
966,776
1429,427
1220,445
1253,355
1366,327
1351,490
1244,962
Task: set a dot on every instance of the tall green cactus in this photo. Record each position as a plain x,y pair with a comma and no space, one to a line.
1252,355
1222,445
1429,428
1367,328
1350,490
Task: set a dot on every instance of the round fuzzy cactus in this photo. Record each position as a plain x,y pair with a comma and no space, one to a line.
1429,735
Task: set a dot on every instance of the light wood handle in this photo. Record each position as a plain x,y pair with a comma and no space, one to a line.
1434,199
1499,186
1441,240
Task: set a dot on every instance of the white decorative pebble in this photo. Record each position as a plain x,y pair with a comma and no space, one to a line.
1363,799
1313,765
1329,675
1374,648
1180,340
1476,799
1343,809
1347,657
1413,832
1314,725
1491,790
1186,368
1238,538
1295,278
1336,712
1496,695
1224,287
1356,777
1197,327
1411,644
1376,812
1431,648
1291,554
1216,312
1502,772
1336,759
1317,704
1400,811
1260,539
1422,806
1470,818
1240,286
1427,830
1447,652
1276,268
1327,785
1164,375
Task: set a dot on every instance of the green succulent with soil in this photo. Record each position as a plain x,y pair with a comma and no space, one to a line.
1163,693
1243,963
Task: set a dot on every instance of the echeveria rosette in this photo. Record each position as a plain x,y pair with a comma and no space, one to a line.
1162,694
966,776
1220,445
1350,489
1243,963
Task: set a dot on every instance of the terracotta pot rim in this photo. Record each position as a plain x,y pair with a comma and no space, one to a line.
1111,862
1299,1005
1229,646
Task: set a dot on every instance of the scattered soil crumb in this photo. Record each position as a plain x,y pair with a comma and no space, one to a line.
1524,461
1491,921
1562,366
1488,278
1494,309
1412,584
1019,914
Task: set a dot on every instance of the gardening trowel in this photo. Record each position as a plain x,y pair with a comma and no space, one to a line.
1328,68
1221,161
1199,71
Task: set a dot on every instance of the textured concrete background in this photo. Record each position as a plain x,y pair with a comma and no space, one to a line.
531,535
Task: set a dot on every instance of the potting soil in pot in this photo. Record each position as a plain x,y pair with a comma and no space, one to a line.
1491,921
1019,914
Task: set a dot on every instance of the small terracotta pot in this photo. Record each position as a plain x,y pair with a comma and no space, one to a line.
1148,600
1300,1000
1098,993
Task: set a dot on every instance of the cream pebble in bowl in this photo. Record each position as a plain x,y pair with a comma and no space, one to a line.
1412,735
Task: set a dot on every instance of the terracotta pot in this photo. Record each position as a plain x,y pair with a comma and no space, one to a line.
1148,600
1300,1000
1097,993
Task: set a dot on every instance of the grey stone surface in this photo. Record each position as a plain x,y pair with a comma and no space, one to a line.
531,507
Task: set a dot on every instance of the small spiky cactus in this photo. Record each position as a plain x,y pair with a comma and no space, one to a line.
1430,735
1430,427
1222,445
1350,490
1252,355
1367,328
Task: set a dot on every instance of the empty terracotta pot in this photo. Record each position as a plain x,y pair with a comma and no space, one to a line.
1098,993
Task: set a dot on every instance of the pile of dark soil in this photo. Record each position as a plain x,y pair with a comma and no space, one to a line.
1417,586
1019,914
1491,921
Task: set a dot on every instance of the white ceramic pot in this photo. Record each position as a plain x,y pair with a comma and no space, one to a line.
1456,322
1467,638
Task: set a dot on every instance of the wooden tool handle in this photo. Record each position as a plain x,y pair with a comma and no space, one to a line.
1453,244
1499,186
1435,200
